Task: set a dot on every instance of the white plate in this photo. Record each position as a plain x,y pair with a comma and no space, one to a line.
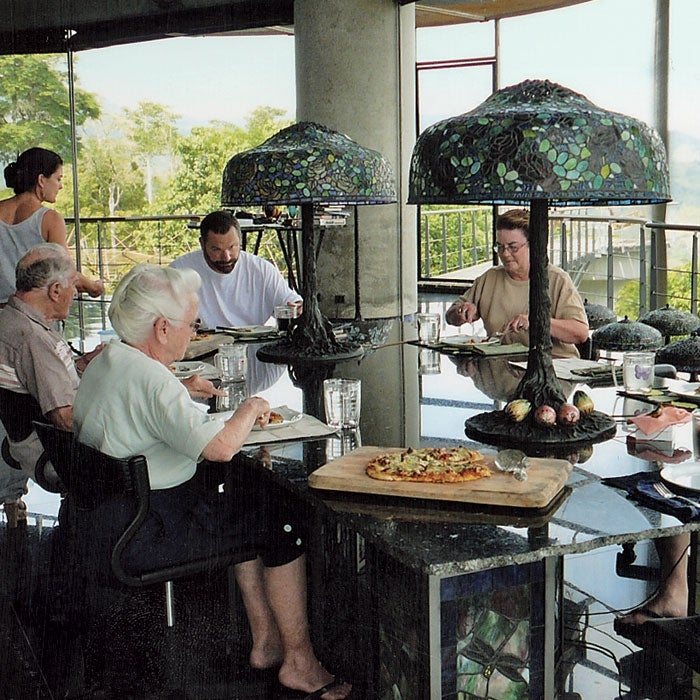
290,416
182,370
687,475
688,390
461,340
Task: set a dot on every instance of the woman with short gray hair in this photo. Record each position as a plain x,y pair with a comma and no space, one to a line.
147,292
129,403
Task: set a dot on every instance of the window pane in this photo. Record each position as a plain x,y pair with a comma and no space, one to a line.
445,92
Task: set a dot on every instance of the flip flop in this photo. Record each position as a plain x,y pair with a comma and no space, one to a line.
293,694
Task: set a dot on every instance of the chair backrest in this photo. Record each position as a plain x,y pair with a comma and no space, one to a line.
17,411
92,477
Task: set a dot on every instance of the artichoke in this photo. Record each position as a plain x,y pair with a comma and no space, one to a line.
583,402
518,410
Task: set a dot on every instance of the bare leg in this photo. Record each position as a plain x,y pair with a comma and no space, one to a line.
672,598
267,645
286,592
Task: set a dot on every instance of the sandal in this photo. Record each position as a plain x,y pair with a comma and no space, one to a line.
293,694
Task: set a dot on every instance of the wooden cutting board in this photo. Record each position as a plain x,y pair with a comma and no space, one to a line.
203,345
545,478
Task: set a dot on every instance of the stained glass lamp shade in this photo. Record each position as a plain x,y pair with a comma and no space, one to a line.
307,164
538,144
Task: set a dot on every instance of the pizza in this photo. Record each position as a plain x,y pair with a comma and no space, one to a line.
276,417
434,465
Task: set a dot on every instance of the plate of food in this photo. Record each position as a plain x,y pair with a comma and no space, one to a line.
686,476
183,370
280,417
460,341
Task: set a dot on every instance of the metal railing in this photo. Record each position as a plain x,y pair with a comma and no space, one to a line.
627,264
106,247
110,245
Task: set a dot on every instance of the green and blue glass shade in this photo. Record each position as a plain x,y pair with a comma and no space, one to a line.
539,141
308,163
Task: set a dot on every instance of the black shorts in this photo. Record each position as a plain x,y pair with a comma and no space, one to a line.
196,519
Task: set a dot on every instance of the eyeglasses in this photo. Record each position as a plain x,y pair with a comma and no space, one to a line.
194,326
512,248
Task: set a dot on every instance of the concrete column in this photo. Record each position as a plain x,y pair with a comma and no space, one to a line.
355,73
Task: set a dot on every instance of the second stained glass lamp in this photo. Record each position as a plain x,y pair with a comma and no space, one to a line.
308,165
539,144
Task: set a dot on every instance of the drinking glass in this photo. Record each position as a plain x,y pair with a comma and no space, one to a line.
428,361
235,394
232,362
284,315
696,434
428,328
638,371
342,399
341,443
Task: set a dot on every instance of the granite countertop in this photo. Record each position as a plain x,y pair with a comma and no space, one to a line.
442,541
401,407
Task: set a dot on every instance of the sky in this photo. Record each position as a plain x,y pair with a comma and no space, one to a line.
602,48
199,78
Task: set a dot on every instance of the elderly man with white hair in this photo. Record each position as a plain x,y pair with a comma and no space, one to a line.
36,365
129,402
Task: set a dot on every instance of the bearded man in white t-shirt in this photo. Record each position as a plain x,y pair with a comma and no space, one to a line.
238,288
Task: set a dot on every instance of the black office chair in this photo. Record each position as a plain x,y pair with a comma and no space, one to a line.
91,478
17,414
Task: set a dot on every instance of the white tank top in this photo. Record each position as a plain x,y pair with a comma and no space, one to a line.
15,241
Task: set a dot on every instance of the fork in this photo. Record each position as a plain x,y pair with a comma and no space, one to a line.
664,492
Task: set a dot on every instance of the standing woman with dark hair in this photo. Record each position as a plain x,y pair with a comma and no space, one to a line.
36,177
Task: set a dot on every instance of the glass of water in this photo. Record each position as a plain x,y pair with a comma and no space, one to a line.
428,328
342,399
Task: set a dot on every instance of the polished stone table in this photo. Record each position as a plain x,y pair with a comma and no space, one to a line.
438,597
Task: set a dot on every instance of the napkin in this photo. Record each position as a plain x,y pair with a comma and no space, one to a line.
660,418
640,488
511,349
657,450
303,429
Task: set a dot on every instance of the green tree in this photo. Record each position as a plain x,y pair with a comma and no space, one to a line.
151,128
34,105
678,288
262,123
202,156
110,180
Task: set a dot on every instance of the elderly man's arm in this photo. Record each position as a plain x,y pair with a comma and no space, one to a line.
568,330
62,418
228,441
84,360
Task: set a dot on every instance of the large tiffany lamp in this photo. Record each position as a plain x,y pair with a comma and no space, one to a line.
539,144
308,165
